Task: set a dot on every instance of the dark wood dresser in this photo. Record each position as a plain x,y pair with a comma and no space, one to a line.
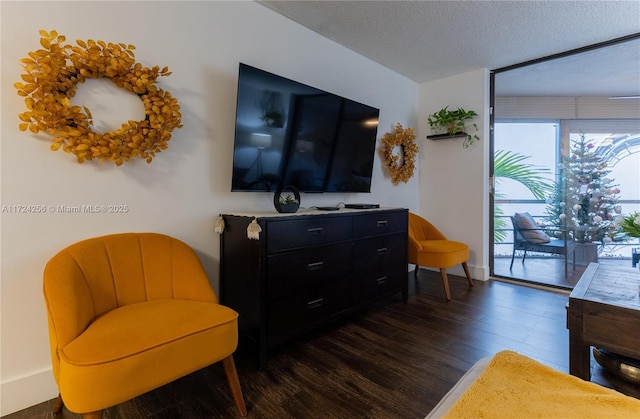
309,268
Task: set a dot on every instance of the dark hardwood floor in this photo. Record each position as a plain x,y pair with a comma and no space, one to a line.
394,360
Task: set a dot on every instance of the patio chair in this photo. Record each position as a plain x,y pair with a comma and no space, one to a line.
528,237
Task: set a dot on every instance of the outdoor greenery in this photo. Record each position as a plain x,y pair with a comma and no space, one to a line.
630,225
511,165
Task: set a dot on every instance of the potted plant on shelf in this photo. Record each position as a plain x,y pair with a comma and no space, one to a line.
447,123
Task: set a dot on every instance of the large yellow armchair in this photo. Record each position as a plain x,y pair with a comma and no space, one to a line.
129,313
429,247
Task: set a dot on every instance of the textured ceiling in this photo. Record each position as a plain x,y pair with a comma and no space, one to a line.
428,40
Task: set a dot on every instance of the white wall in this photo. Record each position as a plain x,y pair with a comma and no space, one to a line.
454,186
186,186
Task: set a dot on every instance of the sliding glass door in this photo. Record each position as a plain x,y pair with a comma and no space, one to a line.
525,159
565,143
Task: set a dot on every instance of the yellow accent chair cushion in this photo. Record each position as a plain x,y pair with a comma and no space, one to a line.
129,313
430,248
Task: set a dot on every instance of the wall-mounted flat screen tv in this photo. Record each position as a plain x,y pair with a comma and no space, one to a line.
288,133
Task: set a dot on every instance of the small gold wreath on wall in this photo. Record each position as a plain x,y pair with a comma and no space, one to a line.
51,79
405,139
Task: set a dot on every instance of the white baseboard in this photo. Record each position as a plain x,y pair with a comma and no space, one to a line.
26,391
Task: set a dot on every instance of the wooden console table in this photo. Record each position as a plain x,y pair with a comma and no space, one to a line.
603,311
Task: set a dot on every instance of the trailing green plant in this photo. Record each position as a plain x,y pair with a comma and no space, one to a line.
454,122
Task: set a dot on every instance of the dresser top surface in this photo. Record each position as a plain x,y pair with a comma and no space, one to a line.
308,212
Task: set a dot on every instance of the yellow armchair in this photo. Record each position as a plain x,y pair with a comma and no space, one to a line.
429,247
129,313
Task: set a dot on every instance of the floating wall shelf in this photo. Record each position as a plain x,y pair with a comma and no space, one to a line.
443,136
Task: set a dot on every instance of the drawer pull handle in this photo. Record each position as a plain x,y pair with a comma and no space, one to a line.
315,266
382,251
315,303
382,281
381,223
314,231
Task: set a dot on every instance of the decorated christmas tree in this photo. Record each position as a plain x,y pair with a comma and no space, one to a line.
585,201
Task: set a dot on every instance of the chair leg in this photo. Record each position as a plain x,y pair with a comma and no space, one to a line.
234,383
415,272
445,283
466,272
58,405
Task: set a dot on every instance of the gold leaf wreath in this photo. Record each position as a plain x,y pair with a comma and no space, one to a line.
51,79
405,139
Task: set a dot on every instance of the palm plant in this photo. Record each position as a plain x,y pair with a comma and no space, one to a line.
511,165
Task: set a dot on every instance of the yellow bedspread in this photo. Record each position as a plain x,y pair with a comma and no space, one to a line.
514,386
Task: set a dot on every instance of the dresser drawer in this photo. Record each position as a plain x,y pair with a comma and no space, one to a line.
379,252
289,271
378,223
295,312
374,284
306,231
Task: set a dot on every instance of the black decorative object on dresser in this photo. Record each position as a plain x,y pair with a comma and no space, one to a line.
308,269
